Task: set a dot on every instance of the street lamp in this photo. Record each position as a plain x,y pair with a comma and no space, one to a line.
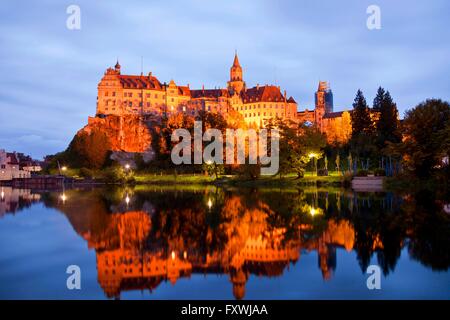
64,168
314,156
127,166
209,203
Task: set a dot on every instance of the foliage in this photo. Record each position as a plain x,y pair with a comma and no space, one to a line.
426,137
214,169
361,121
387,125
89,150
362,173
117,174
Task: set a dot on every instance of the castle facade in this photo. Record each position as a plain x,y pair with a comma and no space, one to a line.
121,95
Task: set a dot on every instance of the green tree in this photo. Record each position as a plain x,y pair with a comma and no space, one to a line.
362,142
378,100
297,143
89,150
425,130
387,125
361,121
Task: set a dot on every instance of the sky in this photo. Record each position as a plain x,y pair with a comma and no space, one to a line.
49,73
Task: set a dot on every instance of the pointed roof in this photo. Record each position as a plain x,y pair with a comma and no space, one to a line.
117,66
236,60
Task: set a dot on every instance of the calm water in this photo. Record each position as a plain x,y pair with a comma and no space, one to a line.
213,243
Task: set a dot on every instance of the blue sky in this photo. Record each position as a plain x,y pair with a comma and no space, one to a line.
49,74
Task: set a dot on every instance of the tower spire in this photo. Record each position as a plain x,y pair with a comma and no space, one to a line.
236,60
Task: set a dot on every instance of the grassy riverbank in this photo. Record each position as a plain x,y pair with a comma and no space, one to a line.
287,180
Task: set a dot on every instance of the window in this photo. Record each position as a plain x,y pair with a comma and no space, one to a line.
156,96
148,95
106,93
114,94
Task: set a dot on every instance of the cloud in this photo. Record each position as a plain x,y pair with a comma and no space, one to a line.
50,74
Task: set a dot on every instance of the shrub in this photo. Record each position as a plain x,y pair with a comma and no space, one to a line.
380,172
322,172
362,173
249,171
86,173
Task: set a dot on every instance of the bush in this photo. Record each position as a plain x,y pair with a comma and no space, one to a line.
249,171
322,172
86,173
362,173
116,174
380,172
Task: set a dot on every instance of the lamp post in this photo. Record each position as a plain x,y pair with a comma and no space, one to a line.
313,156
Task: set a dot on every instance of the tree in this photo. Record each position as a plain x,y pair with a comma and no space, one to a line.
425,131
297,143
361,120
89,150
378,100
362,141
387,125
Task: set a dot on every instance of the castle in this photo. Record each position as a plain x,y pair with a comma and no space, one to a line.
145,95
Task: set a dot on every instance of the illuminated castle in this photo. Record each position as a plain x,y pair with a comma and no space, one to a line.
120,94
145,95
336,126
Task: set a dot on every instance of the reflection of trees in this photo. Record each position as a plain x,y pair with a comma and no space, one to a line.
243,232
378,228
429,230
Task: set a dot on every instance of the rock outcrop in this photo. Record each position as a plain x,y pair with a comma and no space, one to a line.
126,133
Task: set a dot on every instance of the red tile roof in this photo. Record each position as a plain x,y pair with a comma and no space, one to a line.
140,82
263,93
291,100
209,93
184,90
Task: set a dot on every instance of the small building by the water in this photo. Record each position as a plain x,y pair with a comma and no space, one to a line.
10,167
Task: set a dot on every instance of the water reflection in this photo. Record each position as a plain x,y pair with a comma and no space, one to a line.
144,236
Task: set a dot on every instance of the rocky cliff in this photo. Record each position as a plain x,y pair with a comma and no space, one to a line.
126,133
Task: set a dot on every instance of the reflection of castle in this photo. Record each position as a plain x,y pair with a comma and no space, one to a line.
127,263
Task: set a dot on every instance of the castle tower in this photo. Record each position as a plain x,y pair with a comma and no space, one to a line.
117,67
324,97
236,83
324,102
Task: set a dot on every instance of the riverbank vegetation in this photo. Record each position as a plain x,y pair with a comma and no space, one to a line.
411,152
